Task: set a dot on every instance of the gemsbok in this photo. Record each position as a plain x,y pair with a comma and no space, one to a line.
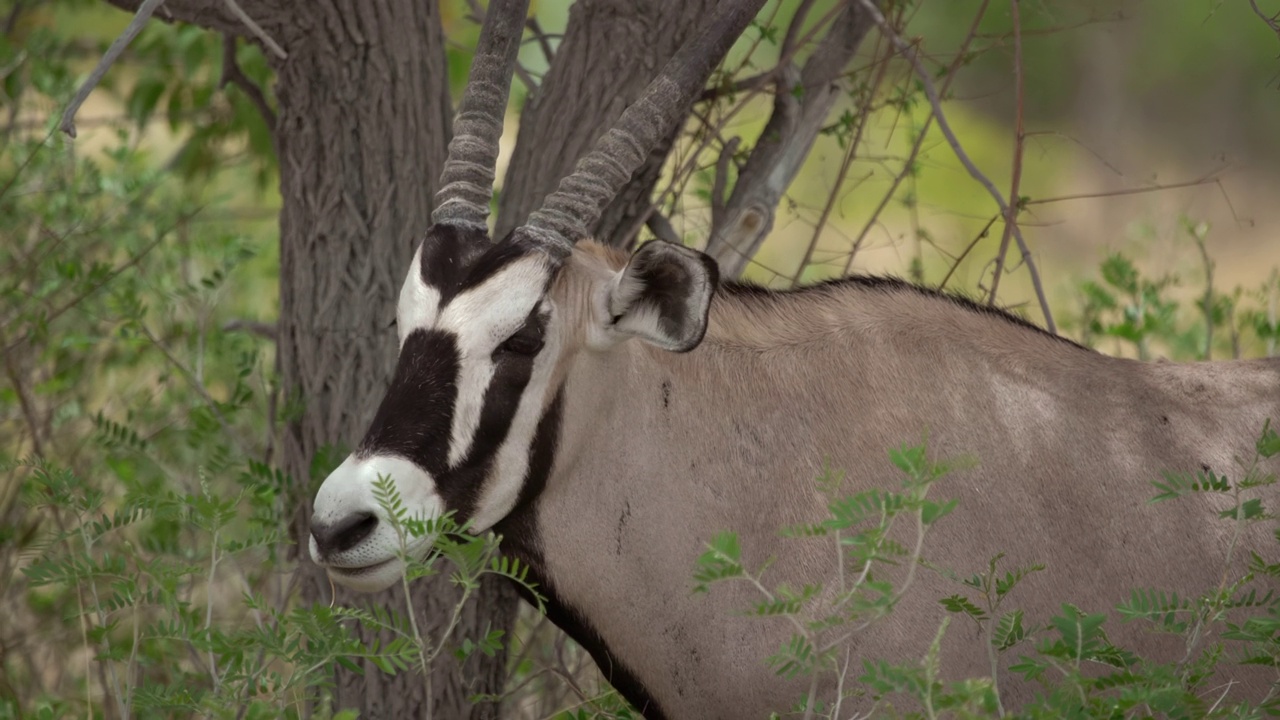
607,414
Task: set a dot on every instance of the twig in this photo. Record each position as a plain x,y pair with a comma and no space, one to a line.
253,327
256,29
864,113
919,143
118,45
718,198
1270,21
1212,179
542,37
662,229
231,73
926,78
27,403
1019,135
985,229
11,21
793,28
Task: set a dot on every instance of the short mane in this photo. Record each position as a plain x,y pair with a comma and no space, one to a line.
889,284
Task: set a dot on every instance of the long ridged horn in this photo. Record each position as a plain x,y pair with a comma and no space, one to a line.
466,184
568,214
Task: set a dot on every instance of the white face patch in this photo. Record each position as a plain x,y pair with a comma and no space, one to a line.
373,564
419,303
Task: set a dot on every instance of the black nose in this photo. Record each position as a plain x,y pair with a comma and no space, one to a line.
344,534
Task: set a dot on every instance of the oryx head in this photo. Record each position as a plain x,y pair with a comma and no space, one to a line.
487,329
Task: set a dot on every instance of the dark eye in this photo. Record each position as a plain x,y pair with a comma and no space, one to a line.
525,342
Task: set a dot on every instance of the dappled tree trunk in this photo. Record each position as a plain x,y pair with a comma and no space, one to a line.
611,50
363,123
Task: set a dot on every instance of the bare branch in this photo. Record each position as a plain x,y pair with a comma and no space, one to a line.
661,227
466,185
256,29
576,204
11,20
1270,21
1019,135
722,177
909,163
789,48
231,73
926,78
864,114
544,40
253,327
802,100
144,13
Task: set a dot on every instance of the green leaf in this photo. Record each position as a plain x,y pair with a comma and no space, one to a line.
1268,444
143,99
931,512
1009,631
962,606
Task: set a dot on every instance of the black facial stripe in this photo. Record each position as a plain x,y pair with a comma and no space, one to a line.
416,415
457,259
523,540
463,487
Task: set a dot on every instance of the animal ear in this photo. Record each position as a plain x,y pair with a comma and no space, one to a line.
662,296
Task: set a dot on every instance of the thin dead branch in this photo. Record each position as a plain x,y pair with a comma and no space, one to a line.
544,40
803,97
662,228
718,198
1019,137
864,115
918,145
145,10
931,91
986,230
1272,21
256,29
253,327
232,74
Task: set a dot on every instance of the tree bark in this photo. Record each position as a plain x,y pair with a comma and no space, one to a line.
364,123
610,52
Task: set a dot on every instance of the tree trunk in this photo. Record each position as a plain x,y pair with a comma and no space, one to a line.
611,50
364,123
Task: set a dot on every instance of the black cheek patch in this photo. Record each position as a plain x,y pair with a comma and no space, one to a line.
416,415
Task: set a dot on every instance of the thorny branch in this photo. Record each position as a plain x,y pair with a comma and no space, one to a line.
144,13
926,78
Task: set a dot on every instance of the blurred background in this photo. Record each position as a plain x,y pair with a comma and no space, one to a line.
140,291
